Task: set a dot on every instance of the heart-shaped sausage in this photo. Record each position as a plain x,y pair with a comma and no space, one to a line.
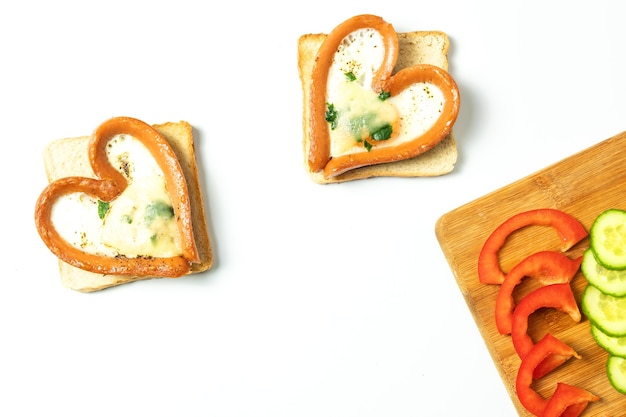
108,185
366,67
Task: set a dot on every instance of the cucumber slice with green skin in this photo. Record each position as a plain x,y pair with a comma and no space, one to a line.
615,346
616,371
609,281
606,312
608,239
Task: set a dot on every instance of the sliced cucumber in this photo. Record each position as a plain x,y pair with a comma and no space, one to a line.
606,312
609,281
615,346
616,370
608,238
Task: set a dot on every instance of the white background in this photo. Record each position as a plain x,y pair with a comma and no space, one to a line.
330,301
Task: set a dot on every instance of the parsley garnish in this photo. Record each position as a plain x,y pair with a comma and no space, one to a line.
383,133
350,76
103,207
331,115
384,95
158,209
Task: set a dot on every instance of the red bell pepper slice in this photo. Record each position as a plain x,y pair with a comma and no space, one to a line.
549,364
567,227
559,296
568,401
548,346
547,267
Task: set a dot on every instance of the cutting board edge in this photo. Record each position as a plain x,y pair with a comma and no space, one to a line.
478,322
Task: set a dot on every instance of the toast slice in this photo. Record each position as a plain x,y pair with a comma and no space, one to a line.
69,157
418,47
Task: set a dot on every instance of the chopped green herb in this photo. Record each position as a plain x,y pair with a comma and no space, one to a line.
356,125
331,115
127,219
153,239
367,145
103,207
383,133
384,95
158,209
350,76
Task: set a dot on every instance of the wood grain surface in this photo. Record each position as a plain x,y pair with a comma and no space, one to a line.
582,185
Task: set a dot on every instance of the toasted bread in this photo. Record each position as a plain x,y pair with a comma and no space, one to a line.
419,47
69,157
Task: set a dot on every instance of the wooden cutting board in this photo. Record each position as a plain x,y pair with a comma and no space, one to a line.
582,185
